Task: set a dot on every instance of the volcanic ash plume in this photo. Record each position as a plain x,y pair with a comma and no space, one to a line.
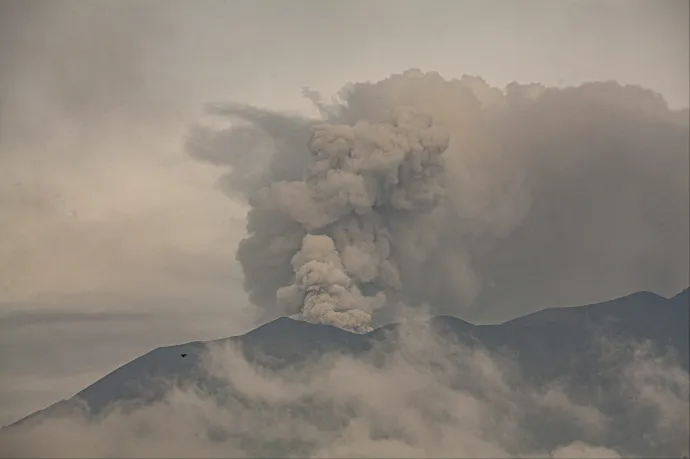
360,177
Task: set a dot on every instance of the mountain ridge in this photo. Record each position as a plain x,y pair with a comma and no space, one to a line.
283,340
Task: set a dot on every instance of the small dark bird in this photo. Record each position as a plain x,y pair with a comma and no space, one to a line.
183,355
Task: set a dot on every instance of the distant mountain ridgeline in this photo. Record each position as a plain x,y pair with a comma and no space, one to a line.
589,349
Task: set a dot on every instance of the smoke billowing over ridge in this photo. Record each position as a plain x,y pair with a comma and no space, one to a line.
583,188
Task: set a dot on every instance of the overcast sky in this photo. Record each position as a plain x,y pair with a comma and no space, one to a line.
114,241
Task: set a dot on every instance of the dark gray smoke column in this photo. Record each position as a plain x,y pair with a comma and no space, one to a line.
358,178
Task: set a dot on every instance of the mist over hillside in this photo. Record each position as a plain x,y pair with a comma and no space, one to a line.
603,380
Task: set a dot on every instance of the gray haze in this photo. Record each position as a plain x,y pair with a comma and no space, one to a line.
103,211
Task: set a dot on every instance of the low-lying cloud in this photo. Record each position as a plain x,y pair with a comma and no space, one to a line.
425,399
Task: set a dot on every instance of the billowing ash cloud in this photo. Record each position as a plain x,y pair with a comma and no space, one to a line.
359,176
543,196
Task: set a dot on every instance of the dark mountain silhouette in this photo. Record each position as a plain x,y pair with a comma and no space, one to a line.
565,343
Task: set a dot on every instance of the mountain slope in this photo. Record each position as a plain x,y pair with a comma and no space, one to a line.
588,348
555,335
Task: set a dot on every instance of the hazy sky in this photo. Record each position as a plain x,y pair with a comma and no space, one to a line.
113,240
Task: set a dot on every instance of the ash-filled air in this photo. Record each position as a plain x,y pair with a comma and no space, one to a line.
543,196
360,179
